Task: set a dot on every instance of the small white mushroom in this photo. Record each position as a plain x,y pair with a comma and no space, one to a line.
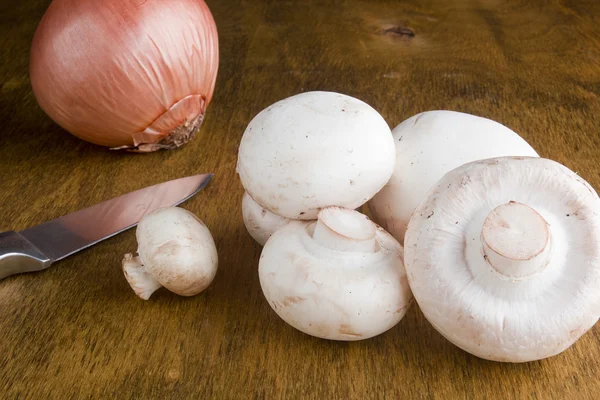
503,258
430,144
314,150
340,278
176,250
260,223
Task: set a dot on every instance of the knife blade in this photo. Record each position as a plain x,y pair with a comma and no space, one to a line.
37,247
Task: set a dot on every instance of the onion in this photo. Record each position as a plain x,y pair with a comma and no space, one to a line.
133,74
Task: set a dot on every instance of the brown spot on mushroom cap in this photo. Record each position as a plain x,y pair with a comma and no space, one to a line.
171,247
322,329
288,300
401,309
346,329
577,332
276,304
302,264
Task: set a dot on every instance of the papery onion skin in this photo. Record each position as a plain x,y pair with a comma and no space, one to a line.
129,74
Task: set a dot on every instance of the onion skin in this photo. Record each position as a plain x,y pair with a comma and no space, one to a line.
129,74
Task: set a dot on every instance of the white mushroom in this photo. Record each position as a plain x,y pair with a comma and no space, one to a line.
176,250
430,144
340,278
314,150
503,258
260,223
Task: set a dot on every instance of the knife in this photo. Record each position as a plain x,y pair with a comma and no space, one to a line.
38,247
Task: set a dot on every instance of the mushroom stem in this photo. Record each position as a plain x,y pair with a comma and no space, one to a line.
140,280
347,230
516,241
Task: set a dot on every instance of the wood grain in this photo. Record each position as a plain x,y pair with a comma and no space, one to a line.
77,330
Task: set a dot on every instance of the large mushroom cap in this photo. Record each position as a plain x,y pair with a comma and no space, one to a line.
430,144
503,258
339,278
314,150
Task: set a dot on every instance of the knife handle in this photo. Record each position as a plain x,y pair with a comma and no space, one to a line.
18,255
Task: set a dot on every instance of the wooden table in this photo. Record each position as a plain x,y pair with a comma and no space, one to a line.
78,331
